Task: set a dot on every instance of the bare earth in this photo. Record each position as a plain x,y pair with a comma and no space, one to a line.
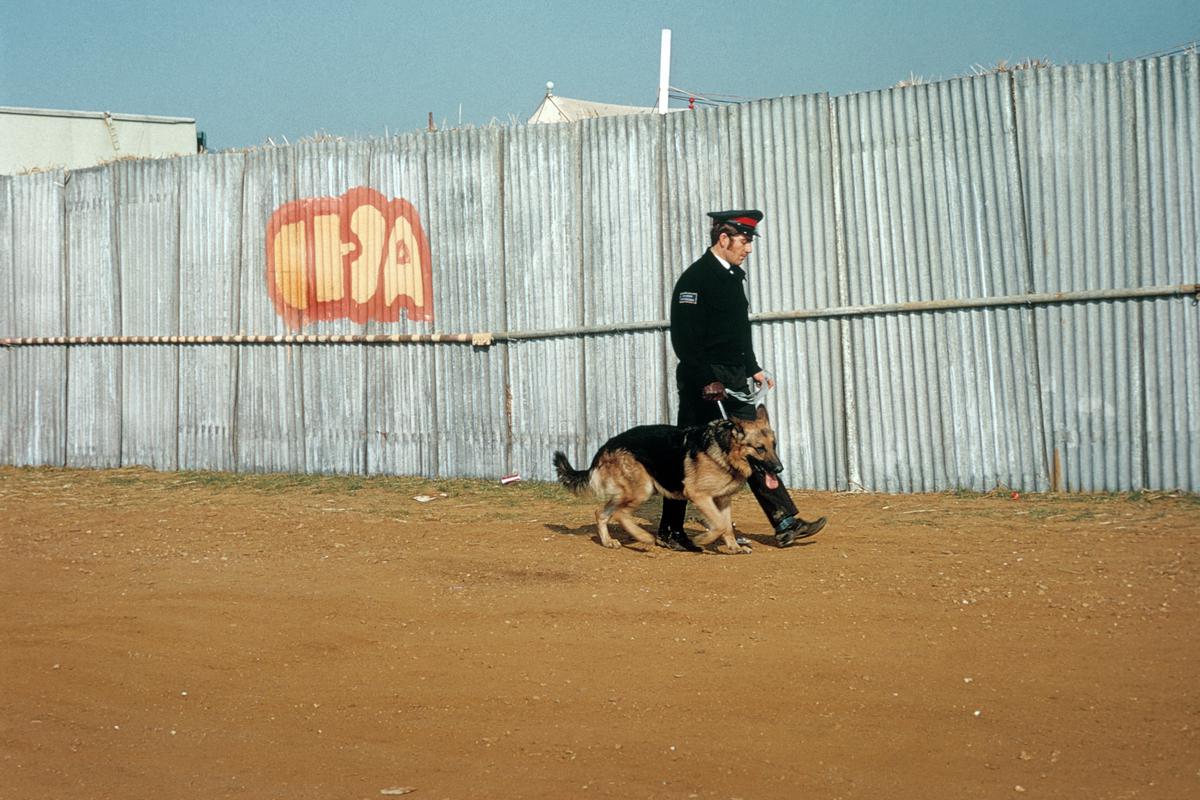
211,636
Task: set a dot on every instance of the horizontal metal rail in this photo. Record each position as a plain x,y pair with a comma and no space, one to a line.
486,339
1042,299
477,339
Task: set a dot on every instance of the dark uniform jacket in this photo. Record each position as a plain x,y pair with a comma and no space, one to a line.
710,331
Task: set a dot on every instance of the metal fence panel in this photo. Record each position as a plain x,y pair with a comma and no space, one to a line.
332,392
789,174
94,399
402,436
1167,93
624,373
333,386
8,322
931,200
544,280
465,232
210,268
1111,171
147,213
38,301
1080,182
269,419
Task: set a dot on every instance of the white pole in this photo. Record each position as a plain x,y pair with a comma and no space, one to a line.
664,71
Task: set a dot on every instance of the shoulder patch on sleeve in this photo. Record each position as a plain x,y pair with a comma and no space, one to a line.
691,298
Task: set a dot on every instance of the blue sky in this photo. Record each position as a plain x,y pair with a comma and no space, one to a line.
252,71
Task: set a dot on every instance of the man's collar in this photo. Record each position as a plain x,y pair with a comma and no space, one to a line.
725,264
730,269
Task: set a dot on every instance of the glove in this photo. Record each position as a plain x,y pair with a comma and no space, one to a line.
713,392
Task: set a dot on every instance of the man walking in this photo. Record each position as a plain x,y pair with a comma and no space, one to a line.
710,332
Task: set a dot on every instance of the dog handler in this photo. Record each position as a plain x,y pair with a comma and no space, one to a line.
710,331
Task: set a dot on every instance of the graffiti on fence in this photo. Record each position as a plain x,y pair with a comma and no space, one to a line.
359,256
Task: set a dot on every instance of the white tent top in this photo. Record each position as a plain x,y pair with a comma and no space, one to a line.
568,109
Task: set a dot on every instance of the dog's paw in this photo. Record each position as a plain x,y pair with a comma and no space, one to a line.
736,550
612,544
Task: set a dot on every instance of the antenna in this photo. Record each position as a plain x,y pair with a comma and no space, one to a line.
664,71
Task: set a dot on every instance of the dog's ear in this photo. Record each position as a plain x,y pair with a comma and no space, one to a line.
762,413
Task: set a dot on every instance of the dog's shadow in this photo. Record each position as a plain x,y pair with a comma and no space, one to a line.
615,531
644,515
582,530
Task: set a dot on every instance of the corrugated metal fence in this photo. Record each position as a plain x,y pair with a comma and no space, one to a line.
975,283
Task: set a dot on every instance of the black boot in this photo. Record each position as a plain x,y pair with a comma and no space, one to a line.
773,499
670,528
777,504
793,529
677,540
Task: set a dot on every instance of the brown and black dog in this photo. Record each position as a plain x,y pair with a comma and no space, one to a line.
705,465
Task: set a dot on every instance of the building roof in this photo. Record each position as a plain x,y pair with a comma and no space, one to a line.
569,109
51,138
60,112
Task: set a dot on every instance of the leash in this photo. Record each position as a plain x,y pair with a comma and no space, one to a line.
749,397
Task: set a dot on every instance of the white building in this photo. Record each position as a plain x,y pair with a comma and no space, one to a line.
39,138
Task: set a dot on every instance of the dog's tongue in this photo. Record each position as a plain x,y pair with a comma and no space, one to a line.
771,481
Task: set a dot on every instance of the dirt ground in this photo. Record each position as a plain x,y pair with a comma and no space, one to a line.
212,636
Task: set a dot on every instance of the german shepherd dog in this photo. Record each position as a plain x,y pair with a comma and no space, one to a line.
704,464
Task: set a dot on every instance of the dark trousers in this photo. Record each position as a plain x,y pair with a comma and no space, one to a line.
695,410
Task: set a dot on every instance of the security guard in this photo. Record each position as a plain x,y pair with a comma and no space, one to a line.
710,331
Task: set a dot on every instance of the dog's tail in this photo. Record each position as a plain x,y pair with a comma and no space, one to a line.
575,480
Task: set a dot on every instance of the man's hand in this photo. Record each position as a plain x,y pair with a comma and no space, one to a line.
713,392
761,377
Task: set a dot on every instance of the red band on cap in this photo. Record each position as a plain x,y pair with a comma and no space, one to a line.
750,221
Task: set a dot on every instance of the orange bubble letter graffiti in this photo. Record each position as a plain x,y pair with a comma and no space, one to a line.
359,257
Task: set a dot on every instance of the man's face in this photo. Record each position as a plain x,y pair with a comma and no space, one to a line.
734,249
